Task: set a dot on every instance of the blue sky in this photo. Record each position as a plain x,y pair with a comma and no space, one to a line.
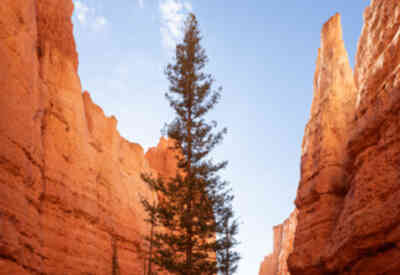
263,54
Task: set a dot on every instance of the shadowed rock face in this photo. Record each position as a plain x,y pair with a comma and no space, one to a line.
349,193
275,263
70,184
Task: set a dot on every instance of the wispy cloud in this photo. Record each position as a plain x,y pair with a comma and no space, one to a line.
187,6
141,3
89,17
81,11
173,14
99,23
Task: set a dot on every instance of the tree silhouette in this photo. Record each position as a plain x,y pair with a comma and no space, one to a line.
192,205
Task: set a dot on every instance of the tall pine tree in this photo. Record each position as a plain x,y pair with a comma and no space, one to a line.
192,206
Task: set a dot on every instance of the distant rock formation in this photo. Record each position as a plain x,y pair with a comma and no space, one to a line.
70,185
161,159
275,263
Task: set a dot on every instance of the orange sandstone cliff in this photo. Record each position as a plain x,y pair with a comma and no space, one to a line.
348,198
349,193
322,187
70,185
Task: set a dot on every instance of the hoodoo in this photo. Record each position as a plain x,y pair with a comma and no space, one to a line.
323,184
348,198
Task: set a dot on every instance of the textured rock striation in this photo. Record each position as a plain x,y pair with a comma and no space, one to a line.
70,184
349,193
275,263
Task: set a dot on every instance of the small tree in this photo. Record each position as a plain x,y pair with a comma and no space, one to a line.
228,258
192,204
146,251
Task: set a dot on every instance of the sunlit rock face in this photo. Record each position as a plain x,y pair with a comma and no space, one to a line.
70,185
266,266
349,193
162,159
322,186
276,263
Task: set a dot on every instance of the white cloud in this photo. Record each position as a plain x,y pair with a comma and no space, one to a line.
81,11
89,17
141,3
187,6
99,23
173,14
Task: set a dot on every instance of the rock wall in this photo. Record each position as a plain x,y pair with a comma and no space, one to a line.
349,193
161,159
276,263
70,184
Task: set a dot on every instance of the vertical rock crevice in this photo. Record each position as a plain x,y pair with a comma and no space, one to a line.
114,261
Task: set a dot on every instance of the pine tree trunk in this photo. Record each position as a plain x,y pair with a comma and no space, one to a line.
150,272
227,254
189,248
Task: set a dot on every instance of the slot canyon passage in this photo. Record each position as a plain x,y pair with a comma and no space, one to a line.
70,185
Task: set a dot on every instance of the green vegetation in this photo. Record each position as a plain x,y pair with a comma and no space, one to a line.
193,226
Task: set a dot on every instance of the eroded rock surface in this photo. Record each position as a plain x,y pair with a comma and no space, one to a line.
161,158
276,263
323,166
70,184
349,193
